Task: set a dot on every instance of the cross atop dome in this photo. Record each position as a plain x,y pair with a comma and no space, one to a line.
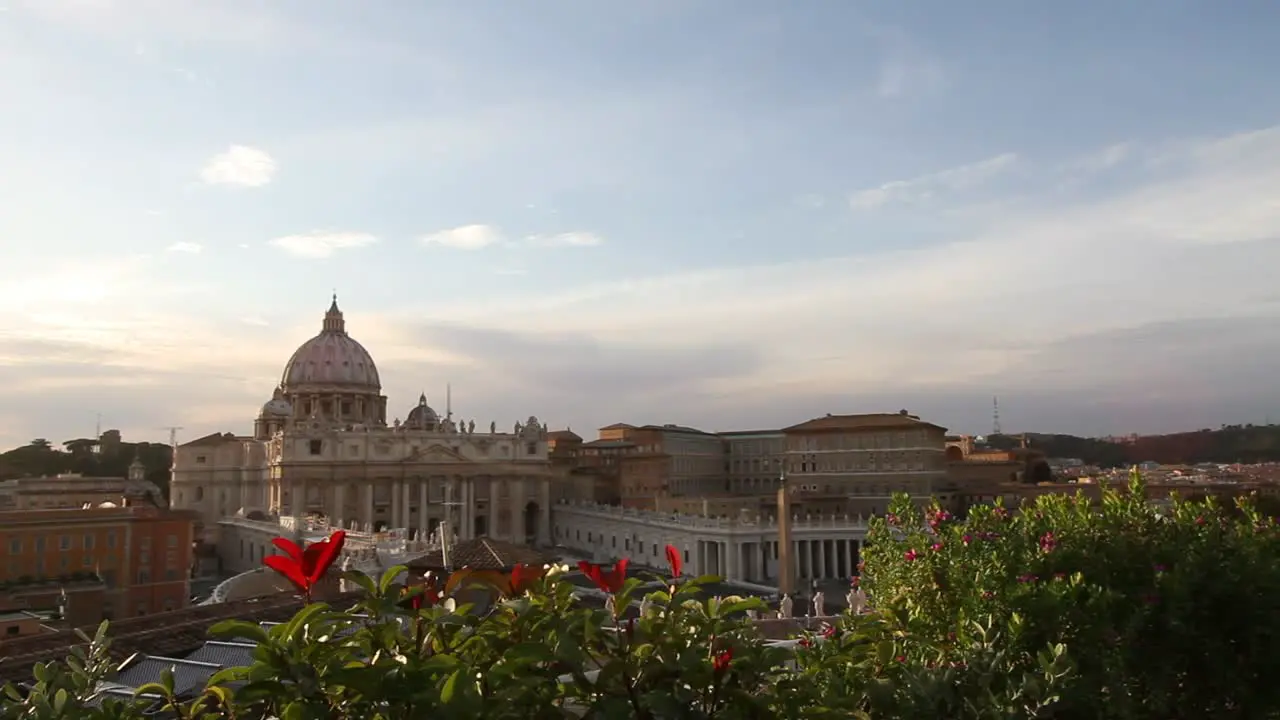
333,322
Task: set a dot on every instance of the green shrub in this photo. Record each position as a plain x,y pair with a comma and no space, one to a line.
1166,613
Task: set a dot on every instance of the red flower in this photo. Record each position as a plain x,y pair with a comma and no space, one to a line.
674,561
721,661
909,555
523,577
304,568
610,582
427,597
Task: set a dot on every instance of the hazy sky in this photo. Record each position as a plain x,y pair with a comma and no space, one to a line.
731,214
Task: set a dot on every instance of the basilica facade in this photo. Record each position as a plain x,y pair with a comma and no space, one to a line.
322,448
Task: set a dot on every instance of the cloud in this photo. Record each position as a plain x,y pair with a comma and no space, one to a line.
185,247
479,237
319,245
239,165
1148,307
927,187
905,68
466,237
569,239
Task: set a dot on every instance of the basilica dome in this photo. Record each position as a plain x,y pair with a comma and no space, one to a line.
331,358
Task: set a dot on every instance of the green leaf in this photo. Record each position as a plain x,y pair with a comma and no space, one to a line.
450,687
389,578
239,630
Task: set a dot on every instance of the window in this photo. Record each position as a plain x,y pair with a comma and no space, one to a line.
111,538
145,543
353,450
109,579
88,542
144,576
316,446
201,459
170,575
145,558
64,562
64,542
172,541
346,407
15,546
86,561
531,449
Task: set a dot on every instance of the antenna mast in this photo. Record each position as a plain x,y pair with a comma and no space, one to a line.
448,401
995,416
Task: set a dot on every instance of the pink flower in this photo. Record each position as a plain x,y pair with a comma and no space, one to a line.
966,538
935,547
1048,542
1200,520
987,595
1028,578
910,555
892,519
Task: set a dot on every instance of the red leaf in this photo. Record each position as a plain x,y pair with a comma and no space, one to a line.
721,662
618,577
318,557
674,561
595,574
287,545
289,569
522,576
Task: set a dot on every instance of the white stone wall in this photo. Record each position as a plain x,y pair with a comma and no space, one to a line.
743,550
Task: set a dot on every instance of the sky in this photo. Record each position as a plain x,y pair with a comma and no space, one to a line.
730,214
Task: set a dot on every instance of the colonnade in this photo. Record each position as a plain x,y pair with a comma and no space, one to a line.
757,561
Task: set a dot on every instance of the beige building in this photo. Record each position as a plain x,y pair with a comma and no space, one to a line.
862,460
72,490
322,448
755,460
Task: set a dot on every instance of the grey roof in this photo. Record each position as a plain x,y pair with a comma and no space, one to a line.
224,654
188,675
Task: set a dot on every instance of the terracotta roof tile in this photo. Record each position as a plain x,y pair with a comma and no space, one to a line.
481,554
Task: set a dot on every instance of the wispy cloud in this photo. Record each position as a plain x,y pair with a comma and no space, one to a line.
185,247
319,245
905,68
239,165
927,187
569,239
479,237
466,237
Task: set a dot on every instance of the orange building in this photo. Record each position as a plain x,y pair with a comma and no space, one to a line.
139,558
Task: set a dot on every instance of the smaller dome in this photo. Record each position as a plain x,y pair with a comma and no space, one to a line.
422,415
278,407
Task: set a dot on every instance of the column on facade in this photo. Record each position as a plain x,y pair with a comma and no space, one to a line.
544,511
424,522
338,518
453,494
408,504
393,508
495,494
733,551
367,489
518,531
823,560
300,499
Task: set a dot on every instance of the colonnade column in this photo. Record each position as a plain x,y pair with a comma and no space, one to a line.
733,553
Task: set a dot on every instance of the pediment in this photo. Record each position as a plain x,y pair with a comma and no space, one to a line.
437,454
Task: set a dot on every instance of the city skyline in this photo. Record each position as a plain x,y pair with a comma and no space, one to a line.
724,215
